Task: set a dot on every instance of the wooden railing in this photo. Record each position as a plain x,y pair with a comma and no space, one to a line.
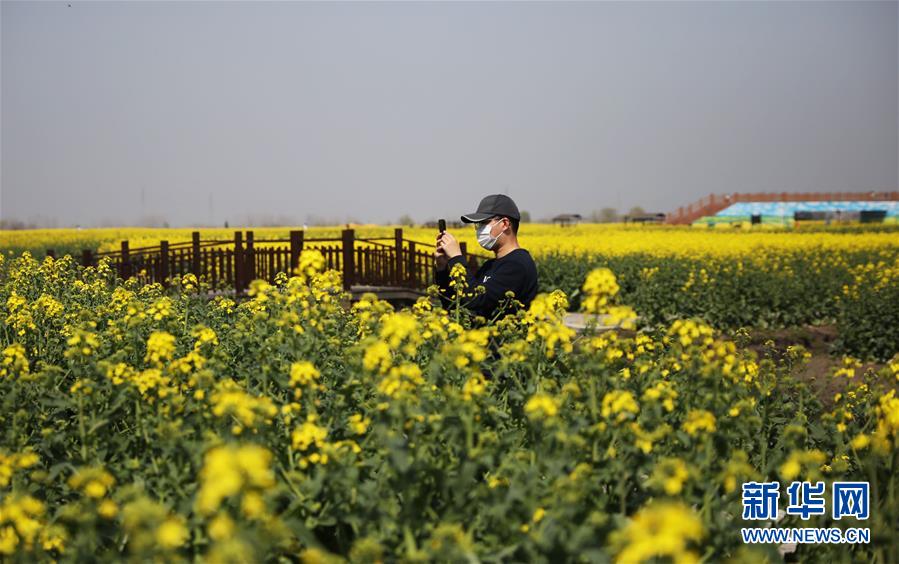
712,204
226,264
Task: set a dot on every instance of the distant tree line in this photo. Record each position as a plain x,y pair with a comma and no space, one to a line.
602,215
611,215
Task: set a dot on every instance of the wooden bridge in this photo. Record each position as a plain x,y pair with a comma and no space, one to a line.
395,268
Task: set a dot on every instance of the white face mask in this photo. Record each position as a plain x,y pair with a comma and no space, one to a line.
484,238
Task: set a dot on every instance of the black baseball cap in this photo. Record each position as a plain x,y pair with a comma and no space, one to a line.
492,205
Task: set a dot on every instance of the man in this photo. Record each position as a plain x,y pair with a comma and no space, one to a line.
496,224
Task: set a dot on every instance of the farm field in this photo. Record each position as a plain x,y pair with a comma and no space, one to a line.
139,423
691,357
846,277
540,238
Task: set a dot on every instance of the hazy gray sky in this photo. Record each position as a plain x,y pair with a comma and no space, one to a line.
206,111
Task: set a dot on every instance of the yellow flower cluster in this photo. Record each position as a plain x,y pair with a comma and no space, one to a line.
9,463
94,482
547,307
358,423
803,460
661,529
475,386
303,374
848,366
20,523
309,434
20,315
458,278
886,436
230,400
160,309
172,533
204,336
401,381
146,381
189,283
541,406
311,263
894,366
644,440
691,332
367,310
670,474
401,332
82,344
468,349
160,347
699,420
662,391
544,322
230,470
599,288
14,363
151,526
722,356
619,403
377,357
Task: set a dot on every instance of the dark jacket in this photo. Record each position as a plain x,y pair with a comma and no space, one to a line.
515,271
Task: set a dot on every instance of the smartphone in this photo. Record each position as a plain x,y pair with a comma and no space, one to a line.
441,225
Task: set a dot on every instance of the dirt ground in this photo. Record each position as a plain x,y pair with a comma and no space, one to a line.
817,340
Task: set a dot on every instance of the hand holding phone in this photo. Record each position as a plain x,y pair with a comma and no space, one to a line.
447,245
441,229
440,257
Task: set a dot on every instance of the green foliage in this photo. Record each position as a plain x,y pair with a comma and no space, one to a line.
150,424
796,289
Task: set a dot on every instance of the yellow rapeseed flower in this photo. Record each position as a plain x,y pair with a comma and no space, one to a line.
228,470
160,347
172,533
541,406
620,404
699,420
659,530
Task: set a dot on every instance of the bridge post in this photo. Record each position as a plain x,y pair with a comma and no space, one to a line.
410,271
238,262
163,262
87,257
125,264
349,266
51,253
296,247
398,256
250,257
195,259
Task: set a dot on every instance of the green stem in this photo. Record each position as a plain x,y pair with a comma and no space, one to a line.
81,428
290,484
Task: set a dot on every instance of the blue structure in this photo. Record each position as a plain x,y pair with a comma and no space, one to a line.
787,209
